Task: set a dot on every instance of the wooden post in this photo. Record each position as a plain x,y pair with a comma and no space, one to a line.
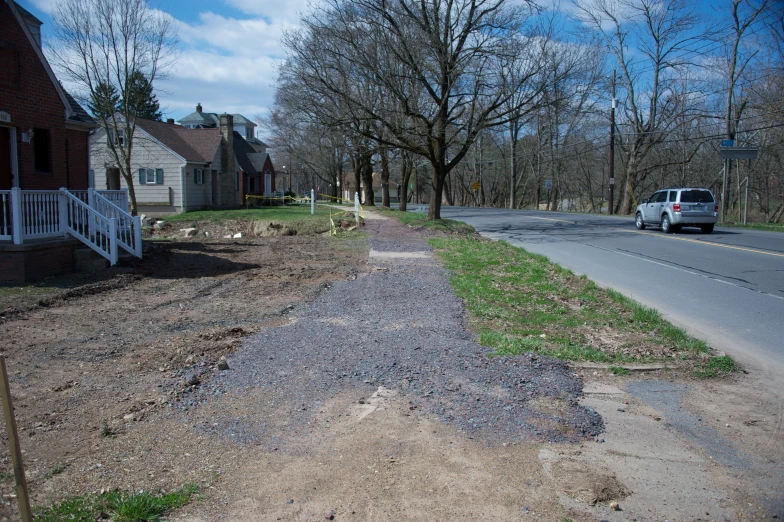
13,444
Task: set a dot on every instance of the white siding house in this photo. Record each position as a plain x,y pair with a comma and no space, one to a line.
177,169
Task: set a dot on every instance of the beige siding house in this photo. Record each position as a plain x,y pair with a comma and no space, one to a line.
176,169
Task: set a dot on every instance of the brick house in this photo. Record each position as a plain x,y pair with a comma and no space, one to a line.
43,147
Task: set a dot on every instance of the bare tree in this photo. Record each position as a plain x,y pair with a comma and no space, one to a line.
457,51
652,42
112,43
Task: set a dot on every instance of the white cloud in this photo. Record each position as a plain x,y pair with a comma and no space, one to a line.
288,10
251,36
47,6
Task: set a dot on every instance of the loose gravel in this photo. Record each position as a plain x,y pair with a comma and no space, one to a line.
402,328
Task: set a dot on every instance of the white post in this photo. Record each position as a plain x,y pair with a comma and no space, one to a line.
17,219
137,236
62,203
91,204
312,201
113,254
356,206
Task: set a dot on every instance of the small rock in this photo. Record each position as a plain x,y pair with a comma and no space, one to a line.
237,235
129,417
621,410
330,515
192,380
159,225
291,501
614,506
189,232
222,364
227,236
657,418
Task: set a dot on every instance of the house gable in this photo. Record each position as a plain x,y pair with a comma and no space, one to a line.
34,103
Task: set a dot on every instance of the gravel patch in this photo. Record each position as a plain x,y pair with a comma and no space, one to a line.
402,328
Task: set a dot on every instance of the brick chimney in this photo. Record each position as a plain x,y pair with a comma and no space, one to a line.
228,170
170,121
198,108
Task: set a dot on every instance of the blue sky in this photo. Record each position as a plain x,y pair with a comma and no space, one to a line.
230,49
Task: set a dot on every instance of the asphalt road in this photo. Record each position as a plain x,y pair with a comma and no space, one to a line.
726,287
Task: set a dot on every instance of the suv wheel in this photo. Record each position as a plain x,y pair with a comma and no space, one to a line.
638,222
706,229
665,224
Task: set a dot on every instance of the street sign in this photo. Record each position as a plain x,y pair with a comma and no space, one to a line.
739,153
476,185
612,181
548,184
727,143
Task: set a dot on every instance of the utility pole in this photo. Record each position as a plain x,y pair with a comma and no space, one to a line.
612,147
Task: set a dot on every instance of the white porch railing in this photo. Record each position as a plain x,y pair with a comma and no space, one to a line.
90,227
129,228
97,218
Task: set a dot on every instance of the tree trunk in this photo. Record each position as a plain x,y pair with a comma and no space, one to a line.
405,179
367,179
434,210
384,178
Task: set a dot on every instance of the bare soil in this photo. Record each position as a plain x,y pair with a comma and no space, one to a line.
94,367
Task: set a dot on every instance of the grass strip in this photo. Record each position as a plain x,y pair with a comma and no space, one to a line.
278,214
419,220
715,367
119,506
522,302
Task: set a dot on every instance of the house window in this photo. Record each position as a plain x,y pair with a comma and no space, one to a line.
198,176
42,150
116,137
151,176
248,133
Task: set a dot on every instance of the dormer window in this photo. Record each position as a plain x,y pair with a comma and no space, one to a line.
248,133
116,137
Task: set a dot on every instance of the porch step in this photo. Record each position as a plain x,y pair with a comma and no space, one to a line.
87,260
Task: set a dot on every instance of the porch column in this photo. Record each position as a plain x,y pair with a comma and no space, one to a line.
17,219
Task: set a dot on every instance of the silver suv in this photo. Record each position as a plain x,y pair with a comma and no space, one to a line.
673,208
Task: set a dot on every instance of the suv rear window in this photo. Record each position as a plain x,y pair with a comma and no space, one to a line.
696,196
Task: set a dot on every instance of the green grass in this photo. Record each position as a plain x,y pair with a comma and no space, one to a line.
770,227
419,219
617,370
521,302
120,506
279,214
715,367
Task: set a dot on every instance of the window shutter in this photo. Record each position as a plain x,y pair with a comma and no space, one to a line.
195,176
142,176
159,176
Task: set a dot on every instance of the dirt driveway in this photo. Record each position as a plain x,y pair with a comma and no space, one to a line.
116,385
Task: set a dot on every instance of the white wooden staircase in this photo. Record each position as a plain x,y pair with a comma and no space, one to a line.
99,219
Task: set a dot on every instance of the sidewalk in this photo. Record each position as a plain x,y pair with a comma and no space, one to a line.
374,403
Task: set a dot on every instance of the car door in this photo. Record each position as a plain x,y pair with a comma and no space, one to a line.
651,209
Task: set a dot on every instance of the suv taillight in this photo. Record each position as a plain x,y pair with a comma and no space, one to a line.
716,208
676,207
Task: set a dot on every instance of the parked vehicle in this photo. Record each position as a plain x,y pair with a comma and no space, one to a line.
674,208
